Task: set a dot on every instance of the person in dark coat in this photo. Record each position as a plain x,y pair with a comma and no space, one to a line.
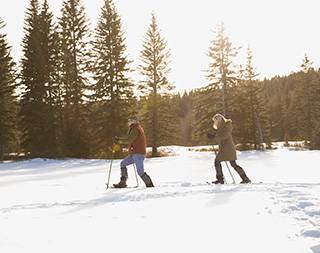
222,135
137,144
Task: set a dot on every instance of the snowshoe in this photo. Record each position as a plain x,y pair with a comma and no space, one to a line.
122,183
220,180
245,181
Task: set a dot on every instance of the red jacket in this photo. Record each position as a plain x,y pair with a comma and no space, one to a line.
139,144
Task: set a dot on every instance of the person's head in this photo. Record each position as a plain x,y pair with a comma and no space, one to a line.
218,119
133,120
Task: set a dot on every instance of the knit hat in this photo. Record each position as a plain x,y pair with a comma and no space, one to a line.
217,120
133,120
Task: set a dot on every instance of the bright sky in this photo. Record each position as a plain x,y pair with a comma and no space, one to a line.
279,32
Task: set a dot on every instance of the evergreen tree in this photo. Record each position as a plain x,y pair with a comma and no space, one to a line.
75,48
305,104
257,121
315,141
284,108
7,98
293,104
154,68
221,71
206,103
240,112
33,107
217,96
113,91
55,91
48,63
169,127
38,80
186,118
315,103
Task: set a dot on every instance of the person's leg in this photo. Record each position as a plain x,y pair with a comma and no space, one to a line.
241,172
124,163
124,172
219,173
139,161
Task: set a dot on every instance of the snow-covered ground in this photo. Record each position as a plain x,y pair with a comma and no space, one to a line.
63,206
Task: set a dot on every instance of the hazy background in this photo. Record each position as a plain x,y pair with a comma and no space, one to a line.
279,32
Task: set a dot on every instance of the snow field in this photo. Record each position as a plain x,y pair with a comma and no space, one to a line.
63,206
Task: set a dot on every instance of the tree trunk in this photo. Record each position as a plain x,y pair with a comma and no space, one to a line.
259,130
154,124
1,152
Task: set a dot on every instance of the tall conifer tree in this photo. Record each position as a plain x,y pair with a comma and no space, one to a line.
74,35
7,98
38,82
217,96
257,116
305,104
113,91
222,74
50,79
33,107
154,68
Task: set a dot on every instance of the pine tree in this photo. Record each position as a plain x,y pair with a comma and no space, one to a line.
240,112
113,91
304,102
55,91
154,68
285,109
315,116
38,81
168,119
7,98
74,35
186,118
218,95
206,103
222,74
33,107
49,77
257,121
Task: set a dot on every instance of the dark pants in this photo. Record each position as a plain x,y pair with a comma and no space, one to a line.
237,168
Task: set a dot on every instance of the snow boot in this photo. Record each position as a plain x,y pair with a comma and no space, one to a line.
245,179
122,183
220,180
147,180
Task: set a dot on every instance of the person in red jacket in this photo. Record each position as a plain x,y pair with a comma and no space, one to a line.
137,145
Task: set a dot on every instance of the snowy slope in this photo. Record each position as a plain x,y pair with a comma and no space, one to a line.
62,206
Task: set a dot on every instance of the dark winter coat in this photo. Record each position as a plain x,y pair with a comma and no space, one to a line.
223,137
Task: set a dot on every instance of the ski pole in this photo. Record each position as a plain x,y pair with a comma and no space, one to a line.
110,170
135,172
230,173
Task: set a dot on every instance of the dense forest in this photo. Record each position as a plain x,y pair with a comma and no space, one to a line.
70,93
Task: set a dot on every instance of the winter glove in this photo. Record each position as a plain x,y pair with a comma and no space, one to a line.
116,148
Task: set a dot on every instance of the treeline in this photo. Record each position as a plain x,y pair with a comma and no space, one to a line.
70,93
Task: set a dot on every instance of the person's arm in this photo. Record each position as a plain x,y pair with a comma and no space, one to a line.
131,136
222,133
211,134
